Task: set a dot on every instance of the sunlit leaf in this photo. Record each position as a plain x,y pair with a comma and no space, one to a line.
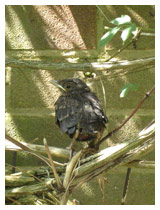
126,88
121,20
127,32
108,36
107,28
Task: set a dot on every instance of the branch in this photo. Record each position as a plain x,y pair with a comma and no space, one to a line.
141,164
92,166
55,151
120,154
20,179
100,66
128,118
30,189
58,180
27,149
134,39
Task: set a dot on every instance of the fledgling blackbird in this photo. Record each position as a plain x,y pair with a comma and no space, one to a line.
78,111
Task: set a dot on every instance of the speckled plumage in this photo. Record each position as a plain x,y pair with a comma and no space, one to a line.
79,108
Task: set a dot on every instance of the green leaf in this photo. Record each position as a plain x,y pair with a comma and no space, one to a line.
127,32
126,89
108,36
134,87
121,20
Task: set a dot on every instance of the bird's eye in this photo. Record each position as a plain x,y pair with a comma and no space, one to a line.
68,86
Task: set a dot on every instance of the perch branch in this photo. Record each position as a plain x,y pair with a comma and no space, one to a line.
106,159
117,155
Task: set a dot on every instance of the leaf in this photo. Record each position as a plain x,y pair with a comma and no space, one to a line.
126,89
127,32
121,20
108,36
134,87
107,28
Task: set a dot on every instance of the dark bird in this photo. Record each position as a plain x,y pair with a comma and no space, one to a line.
78,111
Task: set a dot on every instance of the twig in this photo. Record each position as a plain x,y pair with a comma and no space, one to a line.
59,183
26,173
135,38
101,181
141,164
104,95
102,13
68,176
27,149
17,143
55,151
128,118
124,196
14,160
70,167
30,189
13,201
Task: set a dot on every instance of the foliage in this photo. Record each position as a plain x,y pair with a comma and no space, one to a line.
123,23
126,88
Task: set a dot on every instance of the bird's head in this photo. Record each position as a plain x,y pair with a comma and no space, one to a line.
71,85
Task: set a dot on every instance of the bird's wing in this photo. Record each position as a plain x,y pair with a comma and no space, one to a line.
67,114
92,102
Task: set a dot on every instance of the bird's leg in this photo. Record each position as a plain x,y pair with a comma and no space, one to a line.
99,136
70,147
93,144
73,139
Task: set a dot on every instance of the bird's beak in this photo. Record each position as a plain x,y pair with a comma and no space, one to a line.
55,82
